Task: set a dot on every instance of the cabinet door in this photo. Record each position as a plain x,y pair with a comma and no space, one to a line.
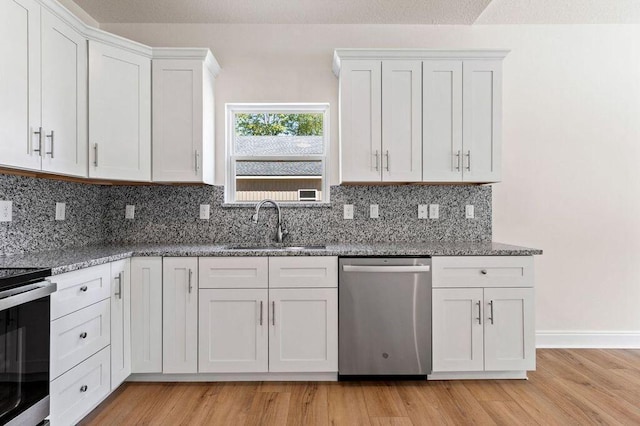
361,121
146,315
401,121
180,315
64,97
120,322
509,334
457,330
119,114
303,327
179,122
233,331
482,120
442,121
20,84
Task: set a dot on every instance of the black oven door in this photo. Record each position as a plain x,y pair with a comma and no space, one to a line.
24,361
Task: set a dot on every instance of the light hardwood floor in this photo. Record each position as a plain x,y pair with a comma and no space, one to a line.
569,387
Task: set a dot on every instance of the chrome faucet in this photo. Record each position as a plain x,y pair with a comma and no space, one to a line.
281,231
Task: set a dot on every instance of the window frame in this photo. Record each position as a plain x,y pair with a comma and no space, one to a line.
231,109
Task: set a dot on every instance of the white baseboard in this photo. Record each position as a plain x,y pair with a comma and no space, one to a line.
588,339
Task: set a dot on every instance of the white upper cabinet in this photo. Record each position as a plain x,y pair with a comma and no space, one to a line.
361,121
20,84
482,123
401,121
64,98
442,121
119,113
183,115
411,115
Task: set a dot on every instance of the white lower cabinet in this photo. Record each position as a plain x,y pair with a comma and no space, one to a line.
146,315
120,322
234,335
180,315
488,326
286,322
80,389
303,326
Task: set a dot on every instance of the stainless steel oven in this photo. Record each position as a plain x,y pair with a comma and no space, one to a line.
24,346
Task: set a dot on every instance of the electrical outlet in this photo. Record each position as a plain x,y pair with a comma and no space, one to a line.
423,211
205,211
469,212
348,211
130,211
61,211
434,211
374,211
6,211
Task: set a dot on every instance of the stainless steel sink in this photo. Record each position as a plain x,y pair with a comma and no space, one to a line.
270,248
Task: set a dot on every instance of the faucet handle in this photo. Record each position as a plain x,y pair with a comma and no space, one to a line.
254,218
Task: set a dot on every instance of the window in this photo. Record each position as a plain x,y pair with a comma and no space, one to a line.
277,151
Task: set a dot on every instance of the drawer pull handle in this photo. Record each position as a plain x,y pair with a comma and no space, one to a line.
483,272
83,335
84,388
83,288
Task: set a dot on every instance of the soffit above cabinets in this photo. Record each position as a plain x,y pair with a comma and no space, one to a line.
421,12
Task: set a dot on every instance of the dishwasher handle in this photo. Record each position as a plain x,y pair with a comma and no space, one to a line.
390,268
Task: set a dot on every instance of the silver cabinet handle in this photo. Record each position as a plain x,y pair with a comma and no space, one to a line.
190,280
387,155
118,293
377,161
197,161
479,313
391,268
84,388
483,272
273,312
50,137
39,133
491,312
458,161
468,155
95,155
83,335
83,289
261,312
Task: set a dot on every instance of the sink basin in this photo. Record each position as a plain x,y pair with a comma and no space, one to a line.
269,248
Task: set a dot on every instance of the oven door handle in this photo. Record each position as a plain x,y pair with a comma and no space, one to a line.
389,268
18,296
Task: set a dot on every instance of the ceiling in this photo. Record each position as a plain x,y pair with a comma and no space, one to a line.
427,12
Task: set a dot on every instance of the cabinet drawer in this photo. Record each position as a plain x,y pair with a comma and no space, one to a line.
79,335
80,389
234,272
291,272
482,271
78,289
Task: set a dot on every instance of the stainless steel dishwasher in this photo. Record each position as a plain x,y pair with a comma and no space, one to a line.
384,317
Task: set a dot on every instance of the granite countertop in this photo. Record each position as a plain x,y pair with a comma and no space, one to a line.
66,260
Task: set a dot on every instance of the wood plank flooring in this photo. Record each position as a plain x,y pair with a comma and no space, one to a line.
570,387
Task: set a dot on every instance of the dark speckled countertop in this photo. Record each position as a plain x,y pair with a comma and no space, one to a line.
67,260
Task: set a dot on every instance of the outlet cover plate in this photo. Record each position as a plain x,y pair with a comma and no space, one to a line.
374,211
130,211
469,212
205,211
434,211
61,211
348,211
6,211
423,211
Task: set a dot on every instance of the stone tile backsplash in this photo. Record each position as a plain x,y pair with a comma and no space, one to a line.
169,214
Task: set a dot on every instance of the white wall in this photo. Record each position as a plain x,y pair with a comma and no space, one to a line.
571,181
